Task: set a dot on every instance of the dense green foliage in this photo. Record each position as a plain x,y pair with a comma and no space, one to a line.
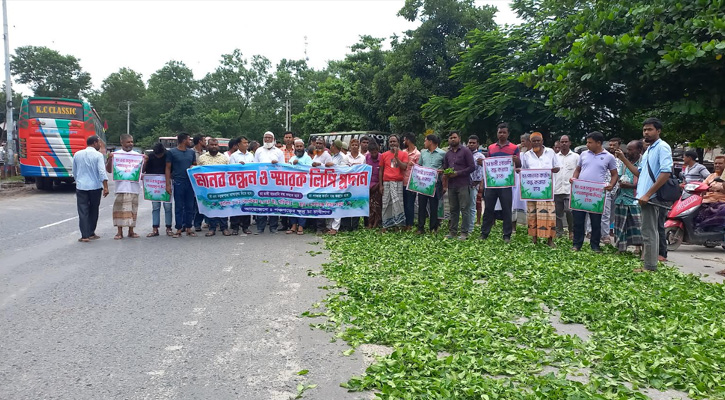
471,320
570,66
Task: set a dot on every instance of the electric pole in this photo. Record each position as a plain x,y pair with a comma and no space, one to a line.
287,115
128,117
9,125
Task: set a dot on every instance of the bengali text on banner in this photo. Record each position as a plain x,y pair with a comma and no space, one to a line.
499,172
281,189
537,185
587,196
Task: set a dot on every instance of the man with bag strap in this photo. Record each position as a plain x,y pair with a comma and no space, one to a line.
654,171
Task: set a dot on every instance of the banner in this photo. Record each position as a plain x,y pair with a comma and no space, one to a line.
537,185
587,196
281,189
154,188
127,167
423,180
499,172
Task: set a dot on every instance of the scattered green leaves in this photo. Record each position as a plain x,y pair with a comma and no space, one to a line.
455,338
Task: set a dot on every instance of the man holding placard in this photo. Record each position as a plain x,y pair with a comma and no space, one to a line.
537,188
495,192
589,187
125,164
432,157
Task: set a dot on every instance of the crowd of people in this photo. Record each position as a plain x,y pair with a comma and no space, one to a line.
634,213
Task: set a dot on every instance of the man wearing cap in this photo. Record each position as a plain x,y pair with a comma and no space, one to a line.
268,154
336,158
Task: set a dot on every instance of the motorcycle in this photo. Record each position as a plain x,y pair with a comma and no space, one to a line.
680,225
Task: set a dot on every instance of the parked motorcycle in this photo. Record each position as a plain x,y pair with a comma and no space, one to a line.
680,225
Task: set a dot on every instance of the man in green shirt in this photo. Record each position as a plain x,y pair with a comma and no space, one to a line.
431,157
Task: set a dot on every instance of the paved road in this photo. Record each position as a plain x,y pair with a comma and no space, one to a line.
163,318
157,318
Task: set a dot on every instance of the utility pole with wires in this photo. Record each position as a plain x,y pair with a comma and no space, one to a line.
9,125
287,115
128,117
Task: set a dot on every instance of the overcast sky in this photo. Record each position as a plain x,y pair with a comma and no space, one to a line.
143,35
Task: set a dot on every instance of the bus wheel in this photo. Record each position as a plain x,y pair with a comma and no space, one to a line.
42,183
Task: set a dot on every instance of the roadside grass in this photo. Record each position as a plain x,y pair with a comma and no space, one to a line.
472,320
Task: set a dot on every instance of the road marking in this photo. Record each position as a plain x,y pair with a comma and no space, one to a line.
228,269
199,310
173,348
210,294
58,223
191,323
156,373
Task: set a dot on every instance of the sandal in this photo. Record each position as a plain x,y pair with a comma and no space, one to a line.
84,240
300,231
134,236
210,233
152,234
292,229
226,232
118,237
169,232
176,235
190,233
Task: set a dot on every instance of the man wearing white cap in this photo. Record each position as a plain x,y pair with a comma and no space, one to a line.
268,154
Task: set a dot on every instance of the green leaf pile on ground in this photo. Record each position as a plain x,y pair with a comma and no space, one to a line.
471,319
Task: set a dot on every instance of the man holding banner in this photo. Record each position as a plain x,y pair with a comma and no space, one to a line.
588,189
493,194
537,188
125,164
431,157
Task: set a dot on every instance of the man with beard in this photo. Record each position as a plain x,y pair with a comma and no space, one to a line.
214,157
125,207
269,154
627,212
353,157
297,224
178,160
393,164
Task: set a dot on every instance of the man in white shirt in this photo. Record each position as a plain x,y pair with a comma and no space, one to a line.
336,159
562,187
268,154
322,157
241,156
125,207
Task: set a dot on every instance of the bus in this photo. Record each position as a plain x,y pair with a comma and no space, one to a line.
50,131
345,137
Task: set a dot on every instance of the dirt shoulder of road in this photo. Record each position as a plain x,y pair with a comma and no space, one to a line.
10,188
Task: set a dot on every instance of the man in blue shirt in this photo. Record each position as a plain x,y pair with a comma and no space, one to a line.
658,160
89,172
178,160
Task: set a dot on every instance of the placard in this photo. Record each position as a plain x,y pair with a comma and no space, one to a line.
423,180
127,166
154,188
587,196
499,172
536,185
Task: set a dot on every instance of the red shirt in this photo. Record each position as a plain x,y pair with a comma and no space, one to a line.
392,173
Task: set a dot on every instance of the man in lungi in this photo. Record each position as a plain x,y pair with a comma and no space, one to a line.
125,207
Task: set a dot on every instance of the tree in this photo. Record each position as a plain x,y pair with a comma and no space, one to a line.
110,102
622,60
48,73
